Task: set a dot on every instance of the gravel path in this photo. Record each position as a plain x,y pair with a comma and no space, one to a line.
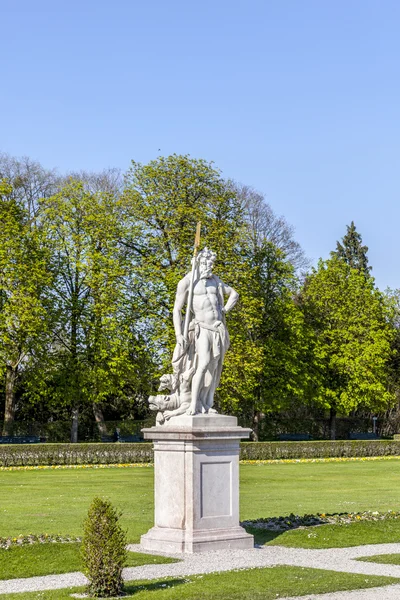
334,559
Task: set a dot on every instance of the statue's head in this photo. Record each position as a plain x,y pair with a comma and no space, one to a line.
168,381
205,260
159,402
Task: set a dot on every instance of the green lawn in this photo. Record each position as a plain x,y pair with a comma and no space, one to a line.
49,559
57,501
385,559
265,584
334,536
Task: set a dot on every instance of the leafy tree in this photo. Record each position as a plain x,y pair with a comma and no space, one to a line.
96,345
271,359
352,251
30,182
390,420
163,201
23,282
353,338
265,226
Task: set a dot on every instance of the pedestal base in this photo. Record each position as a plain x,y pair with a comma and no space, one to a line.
196,463
161,539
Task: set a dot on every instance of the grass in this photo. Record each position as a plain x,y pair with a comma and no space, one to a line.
50,559
264,584
333,536
57,501
385,559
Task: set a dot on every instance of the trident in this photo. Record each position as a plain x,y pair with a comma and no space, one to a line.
190,299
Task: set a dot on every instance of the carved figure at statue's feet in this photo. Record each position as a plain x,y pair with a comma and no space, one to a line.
175,403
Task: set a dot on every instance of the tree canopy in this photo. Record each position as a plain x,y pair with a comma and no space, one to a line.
89,265
353,337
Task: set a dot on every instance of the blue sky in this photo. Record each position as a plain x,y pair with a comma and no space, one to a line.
297,98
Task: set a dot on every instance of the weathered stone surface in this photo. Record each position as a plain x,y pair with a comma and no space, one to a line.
196,485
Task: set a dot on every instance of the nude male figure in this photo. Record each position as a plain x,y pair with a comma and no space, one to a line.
211,335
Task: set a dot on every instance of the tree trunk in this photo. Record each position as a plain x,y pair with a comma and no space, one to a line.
258,416
332,423
98,415
74,426
9,410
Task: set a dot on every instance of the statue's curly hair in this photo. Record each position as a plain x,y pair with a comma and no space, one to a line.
206,253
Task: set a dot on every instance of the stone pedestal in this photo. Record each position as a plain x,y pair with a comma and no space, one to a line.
196,462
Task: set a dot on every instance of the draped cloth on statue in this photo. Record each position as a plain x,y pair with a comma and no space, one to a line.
185,358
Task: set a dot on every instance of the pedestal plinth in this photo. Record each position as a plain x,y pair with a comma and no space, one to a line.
196,461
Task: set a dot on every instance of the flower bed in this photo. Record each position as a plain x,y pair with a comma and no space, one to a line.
295,521
44,538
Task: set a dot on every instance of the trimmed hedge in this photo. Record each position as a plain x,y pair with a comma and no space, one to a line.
95,454
74,454
318,449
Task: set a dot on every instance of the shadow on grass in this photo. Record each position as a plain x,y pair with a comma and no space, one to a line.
153,587
262,536
266,530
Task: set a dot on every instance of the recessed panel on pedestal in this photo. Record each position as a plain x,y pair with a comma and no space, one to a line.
170,489
216,489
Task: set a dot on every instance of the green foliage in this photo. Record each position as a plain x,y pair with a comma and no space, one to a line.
318,449
73,454
24,280
103,550
163,201
392,301
352,251
86,299
15,455
271,356
268,361
98,351
353,337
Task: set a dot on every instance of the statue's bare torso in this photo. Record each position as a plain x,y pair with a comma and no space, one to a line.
206,302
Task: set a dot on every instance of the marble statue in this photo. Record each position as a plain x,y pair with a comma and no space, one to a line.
196,452
202,340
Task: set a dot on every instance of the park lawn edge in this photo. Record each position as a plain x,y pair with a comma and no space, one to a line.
244,584
242,462
36,560
382,559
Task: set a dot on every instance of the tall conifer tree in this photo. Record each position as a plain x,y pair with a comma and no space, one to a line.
352,251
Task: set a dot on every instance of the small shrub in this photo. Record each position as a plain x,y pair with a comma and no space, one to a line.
103,550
